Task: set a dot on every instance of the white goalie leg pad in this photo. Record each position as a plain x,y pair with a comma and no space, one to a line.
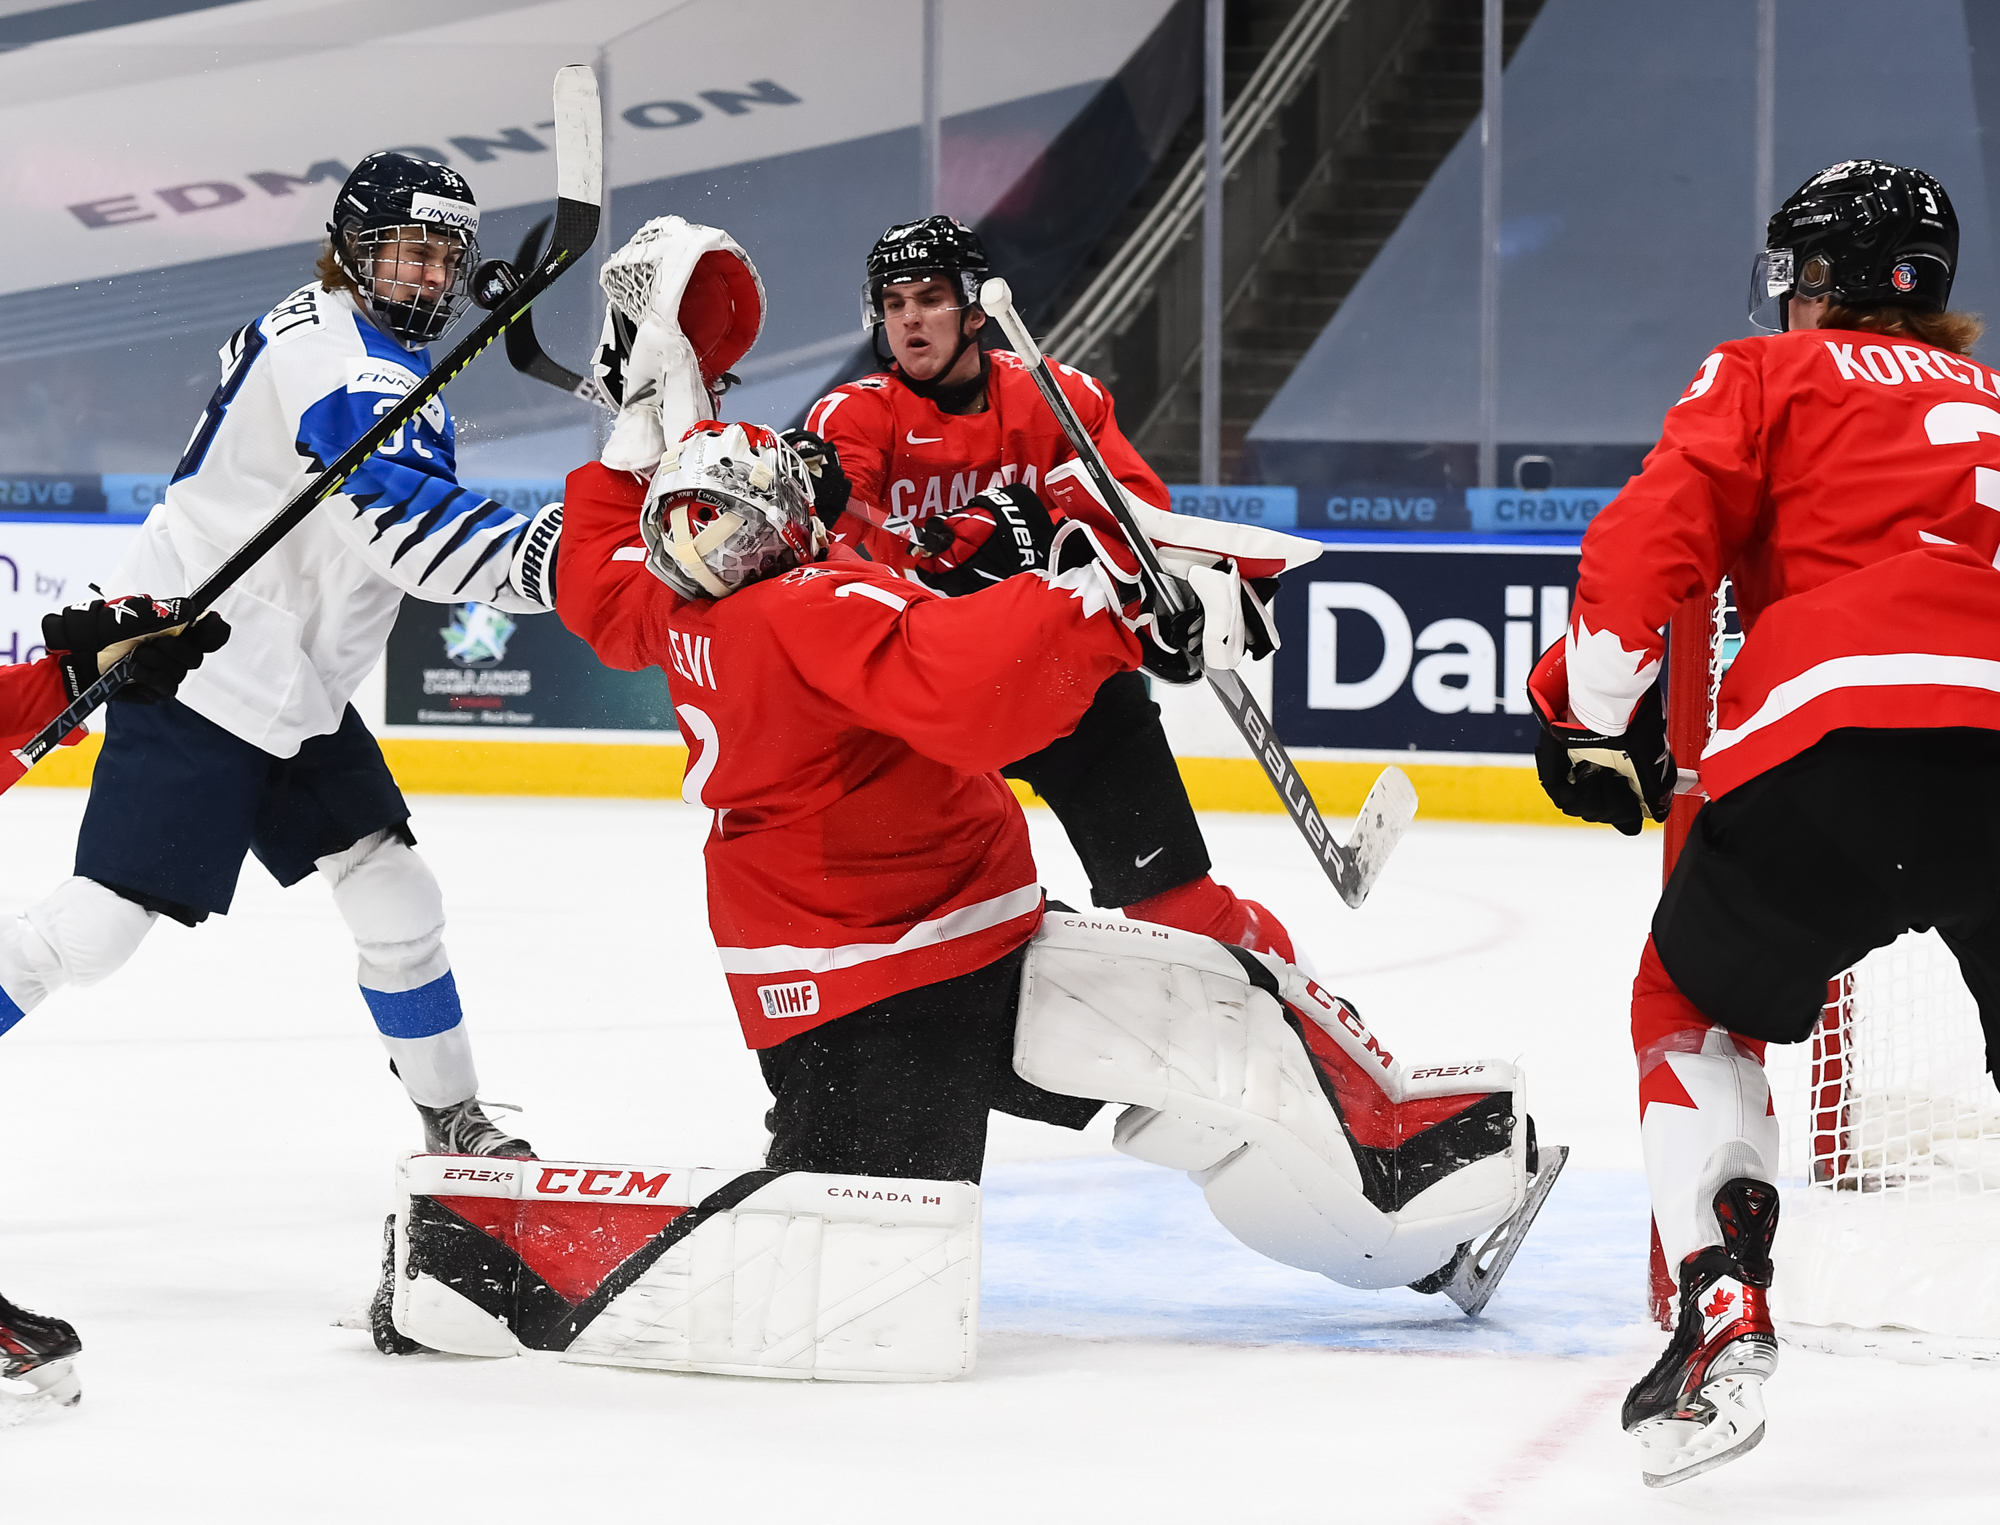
1716,1126
1378,1193
757,1274
76,935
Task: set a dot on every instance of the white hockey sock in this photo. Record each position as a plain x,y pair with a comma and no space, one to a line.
1706,1118
78,934
393,906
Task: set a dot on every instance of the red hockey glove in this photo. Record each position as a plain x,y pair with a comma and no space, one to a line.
993,536
86,639
1621,780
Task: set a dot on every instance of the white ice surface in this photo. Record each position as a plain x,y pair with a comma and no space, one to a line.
197,1161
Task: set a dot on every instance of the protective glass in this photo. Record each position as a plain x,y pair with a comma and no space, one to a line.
1770,279
415,277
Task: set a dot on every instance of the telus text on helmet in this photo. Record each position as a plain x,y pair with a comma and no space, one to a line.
208,195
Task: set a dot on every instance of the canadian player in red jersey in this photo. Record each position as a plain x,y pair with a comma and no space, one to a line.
1843,474
35,1350
947,443
870,886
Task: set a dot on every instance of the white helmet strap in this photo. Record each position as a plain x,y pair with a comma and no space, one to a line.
689,549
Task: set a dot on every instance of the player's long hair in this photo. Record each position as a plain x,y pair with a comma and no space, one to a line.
1954,331
332,277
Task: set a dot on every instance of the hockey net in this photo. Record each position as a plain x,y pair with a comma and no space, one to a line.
1889,1122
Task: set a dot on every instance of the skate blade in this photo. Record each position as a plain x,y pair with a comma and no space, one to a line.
1477,1276
1674,1450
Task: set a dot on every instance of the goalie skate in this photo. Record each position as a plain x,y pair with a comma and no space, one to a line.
1702,1404
41,1353
1472,1276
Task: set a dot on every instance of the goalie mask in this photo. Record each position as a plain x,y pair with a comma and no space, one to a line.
1862,233
730,505
406,232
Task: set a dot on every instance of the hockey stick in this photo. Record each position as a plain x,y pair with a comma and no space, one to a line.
524,348
1391,803
579,192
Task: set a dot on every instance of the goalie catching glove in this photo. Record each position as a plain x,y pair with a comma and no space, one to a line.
683,304
995,535
87,639
1229,573
1621,780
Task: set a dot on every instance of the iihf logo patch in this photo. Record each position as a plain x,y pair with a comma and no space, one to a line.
1904,277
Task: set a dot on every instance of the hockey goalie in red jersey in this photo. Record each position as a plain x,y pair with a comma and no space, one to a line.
1842,473
871,889
937,467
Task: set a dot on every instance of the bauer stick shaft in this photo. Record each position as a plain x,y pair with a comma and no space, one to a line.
1392,802
579,195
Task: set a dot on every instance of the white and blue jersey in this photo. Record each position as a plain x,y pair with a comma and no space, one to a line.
310,620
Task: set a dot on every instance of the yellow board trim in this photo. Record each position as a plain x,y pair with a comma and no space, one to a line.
593,770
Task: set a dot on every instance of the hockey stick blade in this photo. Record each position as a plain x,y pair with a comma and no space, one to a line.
1477,1275
579,181
524,345
1392,802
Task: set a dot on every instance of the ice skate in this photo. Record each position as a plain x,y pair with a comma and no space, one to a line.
40,1352
1702,1404
1472,1276
464,1128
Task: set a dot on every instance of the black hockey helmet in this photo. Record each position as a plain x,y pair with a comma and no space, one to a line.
932,248
1863,233
386,194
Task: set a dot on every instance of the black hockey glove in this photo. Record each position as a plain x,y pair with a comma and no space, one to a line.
1620,781
831,489
989,538
86,639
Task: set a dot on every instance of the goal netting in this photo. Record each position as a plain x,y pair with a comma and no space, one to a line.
1889,1123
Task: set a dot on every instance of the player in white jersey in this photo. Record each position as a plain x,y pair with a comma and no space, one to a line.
262,752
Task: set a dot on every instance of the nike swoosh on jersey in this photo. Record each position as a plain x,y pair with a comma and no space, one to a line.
910,437
1142,862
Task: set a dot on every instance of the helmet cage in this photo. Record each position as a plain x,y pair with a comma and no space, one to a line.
412,315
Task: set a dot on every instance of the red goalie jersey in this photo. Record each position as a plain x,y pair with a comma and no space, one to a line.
907,460
844,725
31,695
1849,484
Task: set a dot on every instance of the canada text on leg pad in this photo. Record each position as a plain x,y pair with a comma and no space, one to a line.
761,1273
1312,1142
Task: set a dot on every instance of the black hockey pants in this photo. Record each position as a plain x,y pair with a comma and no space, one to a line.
903,1087
1113,784
1792,877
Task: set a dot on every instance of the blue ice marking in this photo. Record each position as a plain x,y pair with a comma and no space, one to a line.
9,1012
421,1013
1110,1248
